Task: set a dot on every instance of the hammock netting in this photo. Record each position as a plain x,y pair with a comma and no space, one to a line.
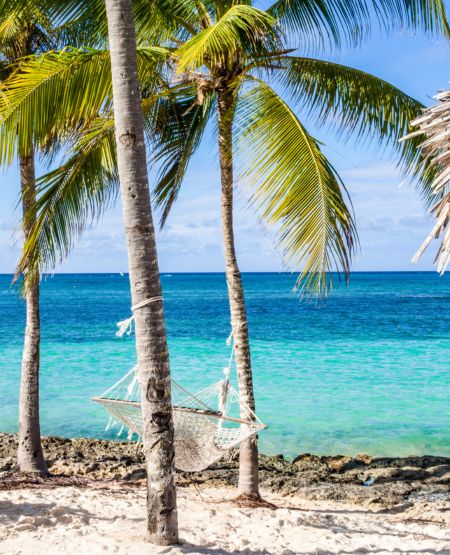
205,424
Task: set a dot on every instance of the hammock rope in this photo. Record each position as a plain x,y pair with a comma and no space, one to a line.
207,423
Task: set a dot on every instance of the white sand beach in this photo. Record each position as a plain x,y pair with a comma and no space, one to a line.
112,520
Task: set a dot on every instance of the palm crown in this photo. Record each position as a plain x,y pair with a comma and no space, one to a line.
209,50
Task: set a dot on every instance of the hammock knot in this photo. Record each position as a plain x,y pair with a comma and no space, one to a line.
125,327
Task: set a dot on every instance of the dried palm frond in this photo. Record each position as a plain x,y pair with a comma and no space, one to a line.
434,124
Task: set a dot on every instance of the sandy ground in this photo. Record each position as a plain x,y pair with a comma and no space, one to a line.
112,520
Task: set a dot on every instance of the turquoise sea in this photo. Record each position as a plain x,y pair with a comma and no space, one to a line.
367,372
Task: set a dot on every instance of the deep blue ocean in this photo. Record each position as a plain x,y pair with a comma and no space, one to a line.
368,372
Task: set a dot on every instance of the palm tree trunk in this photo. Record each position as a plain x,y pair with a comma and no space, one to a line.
30,457
151,344
248,464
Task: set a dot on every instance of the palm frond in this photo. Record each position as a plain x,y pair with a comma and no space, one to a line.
158,21
77,84
295,188
360,106
338,22
155,19
25,30
10,27
179,126
353,102
70,197
78,33
432,129
242,28
61,91
62,11
323,23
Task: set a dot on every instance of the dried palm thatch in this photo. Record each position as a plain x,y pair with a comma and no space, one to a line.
434,124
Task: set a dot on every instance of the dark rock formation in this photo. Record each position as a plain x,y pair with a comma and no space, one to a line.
361,479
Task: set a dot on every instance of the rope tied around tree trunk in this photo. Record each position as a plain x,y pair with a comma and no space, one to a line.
126,326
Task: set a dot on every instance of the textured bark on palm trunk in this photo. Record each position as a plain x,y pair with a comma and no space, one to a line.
30,457
151,344
248,465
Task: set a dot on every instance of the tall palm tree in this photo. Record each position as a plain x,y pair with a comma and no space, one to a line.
232,64
26,29
239,61
152,352
24,32
151,343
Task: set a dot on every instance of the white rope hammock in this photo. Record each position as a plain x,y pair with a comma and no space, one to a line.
204,423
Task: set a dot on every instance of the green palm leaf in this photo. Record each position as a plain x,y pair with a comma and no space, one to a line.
71,196
76,81
322,22
242,28
353,102
294,188
160,20
357,105
178,134
29,22
81,189
155,19
350,21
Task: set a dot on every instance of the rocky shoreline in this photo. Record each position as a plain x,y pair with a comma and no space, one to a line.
364,480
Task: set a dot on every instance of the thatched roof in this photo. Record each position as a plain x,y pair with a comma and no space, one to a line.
434,123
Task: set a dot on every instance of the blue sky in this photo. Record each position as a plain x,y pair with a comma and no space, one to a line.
390,217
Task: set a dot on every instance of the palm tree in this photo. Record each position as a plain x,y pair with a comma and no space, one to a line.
431,127
232,64
151,343
237,58
24,32
153,358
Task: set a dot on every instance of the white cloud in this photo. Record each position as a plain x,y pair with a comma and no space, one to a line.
391,222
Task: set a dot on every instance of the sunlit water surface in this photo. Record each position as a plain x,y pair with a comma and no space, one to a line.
367,372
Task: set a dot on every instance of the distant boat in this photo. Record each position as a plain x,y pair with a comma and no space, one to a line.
167,275
122,274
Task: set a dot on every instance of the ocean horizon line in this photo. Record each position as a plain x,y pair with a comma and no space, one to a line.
250,272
